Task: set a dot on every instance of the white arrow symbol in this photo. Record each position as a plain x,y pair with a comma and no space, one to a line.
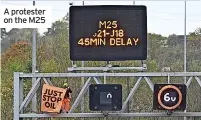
109,95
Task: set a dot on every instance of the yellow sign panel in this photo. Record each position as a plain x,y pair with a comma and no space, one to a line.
52,98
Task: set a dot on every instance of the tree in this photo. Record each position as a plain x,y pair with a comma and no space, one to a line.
66,17
156,42
16,35
172,40
58,27
196,35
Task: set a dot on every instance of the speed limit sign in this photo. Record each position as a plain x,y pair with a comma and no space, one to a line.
169,96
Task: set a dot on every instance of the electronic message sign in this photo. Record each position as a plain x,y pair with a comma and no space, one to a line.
108,33
169,96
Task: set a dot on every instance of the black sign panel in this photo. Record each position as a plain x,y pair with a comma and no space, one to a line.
105,97
108,33
169,96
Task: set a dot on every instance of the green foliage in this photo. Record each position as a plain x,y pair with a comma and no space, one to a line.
15,59
155,43
194,66
196,35
15,35
58,28
152,66
172,40
49,66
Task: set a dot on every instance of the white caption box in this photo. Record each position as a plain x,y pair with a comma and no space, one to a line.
25,16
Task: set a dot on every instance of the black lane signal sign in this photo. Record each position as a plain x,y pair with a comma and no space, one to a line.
105,97
108,33
169,97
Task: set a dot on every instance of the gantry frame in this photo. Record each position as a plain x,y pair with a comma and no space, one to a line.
20,103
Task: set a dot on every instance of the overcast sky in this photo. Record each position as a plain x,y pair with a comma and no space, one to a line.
165,17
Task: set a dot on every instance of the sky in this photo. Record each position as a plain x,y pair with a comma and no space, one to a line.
163,17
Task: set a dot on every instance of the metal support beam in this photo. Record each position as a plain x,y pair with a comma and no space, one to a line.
82,84
70,69
21,92
185,36
81,94
175,114
34,98
77,115
189,82
47,81
16,96
97,80
198,80
105,78
144,74
83,99
96,77
31,94
128,91
185,49
168,78
131,94
149,83
101,115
